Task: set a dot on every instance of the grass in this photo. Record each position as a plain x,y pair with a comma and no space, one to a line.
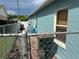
5,45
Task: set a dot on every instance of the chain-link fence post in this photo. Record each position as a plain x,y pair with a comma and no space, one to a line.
4,43
23,45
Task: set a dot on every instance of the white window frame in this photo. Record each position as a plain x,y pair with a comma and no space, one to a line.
58,42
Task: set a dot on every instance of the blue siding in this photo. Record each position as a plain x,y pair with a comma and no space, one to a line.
73,23
74,12
72,41
45,23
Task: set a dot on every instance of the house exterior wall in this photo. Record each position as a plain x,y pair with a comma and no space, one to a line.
45,23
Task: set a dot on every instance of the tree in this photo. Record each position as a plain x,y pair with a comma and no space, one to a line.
12,16
21,18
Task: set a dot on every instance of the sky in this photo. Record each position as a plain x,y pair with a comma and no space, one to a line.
26,7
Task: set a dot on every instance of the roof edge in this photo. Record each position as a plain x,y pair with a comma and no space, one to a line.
43,5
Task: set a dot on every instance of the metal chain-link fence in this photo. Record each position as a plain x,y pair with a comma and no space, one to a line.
6,43
41,47
51,47
46,46
5,46
9,28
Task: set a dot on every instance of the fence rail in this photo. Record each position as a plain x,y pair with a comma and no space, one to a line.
53,33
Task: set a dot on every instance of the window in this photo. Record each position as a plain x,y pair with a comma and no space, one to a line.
61,26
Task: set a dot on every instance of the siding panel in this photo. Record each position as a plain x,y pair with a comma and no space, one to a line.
45,24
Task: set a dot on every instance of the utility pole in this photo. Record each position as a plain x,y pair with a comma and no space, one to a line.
22,38
18,5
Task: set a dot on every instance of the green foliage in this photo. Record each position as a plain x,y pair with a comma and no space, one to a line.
21,18
12,16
